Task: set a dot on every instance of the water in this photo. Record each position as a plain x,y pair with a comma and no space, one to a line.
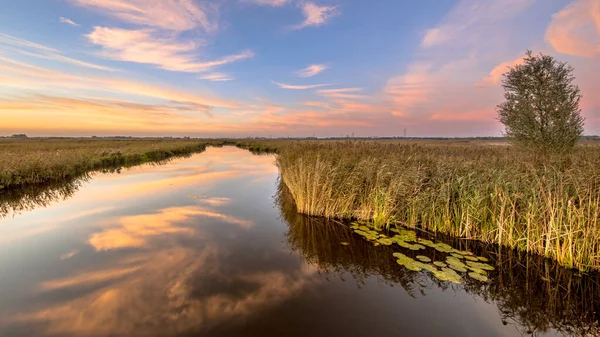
211,246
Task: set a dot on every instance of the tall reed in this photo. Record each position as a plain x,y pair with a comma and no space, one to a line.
495,194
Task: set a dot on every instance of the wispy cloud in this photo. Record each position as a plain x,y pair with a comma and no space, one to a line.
300,87
312,70
467,14
40,51
22,75
68,21
144,46
575,30
15,41
216,77
173,15
341,93
272,3
315,15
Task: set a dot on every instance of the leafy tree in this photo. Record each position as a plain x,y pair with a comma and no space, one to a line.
541,107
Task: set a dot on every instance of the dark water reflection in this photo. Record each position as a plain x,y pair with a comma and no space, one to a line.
199,247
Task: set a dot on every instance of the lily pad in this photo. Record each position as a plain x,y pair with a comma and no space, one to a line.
458,256
480,265
416,246
440,264
481,258
426,242
447,274
385,241
455,264
426,266
478,276
442,247
423,258
471,258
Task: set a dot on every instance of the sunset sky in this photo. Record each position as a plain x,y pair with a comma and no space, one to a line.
280,67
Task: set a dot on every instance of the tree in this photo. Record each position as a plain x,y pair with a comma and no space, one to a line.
541,107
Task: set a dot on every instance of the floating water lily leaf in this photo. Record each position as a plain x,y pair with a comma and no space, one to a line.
480,265
478,276
425,266
423,258
471,258
455,264
344,243
416,246
376,244
447,274
440,264
382,236
398,255
365,228
426,242
481,258
413,266
477,270
409,263
458,256
442,247
385,241
401,243
395,230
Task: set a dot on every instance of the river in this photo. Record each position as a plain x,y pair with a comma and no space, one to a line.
210,245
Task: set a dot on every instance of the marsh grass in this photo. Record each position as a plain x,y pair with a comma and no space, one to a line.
44,161
495,194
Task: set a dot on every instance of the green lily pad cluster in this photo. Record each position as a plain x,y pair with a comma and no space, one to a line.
457,261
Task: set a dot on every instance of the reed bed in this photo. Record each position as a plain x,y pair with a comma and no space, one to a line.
492,193
37,161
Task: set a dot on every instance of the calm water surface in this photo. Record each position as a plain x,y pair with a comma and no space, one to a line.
210,246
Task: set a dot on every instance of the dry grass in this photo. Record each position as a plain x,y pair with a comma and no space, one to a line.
495,194
35,161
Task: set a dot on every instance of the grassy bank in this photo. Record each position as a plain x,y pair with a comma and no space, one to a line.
491,193
36,161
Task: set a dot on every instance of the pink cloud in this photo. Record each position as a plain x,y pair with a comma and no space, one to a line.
145,46
312,70
575,30
315,15
175,15
347,93
300,87
495,75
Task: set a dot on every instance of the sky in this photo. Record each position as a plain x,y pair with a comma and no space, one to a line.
280,68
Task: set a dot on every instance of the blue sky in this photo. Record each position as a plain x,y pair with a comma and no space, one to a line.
279,67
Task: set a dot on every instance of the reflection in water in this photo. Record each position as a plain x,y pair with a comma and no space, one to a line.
150,271
30,197
531,292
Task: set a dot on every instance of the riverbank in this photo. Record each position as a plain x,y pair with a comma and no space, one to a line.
494,194
45,161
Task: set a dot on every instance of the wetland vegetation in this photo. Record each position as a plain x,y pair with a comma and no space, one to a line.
494,194
44,161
